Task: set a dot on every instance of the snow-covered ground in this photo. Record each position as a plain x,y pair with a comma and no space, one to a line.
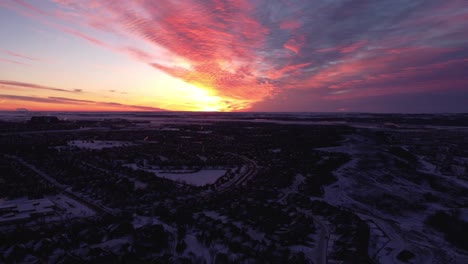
98,144
198,178
49,209
71,208
293,188
369,176
140,221
195,249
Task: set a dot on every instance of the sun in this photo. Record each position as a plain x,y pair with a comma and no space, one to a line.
210,109
184,96
202,99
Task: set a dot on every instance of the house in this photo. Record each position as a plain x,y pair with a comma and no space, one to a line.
25,210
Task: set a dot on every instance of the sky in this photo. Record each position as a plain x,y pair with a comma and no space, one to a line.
243,55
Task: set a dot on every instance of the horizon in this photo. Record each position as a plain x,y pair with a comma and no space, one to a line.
234,56
231,112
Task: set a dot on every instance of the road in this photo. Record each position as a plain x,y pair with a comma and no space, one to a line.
249,173
321,254
322,245
66,189
241,178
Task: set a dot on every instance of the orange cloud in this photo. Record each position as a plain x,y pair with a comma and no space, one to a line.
36,86
233,54
11,102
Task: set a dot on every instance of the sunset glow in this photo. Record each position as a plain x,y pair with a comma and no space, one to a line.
244,55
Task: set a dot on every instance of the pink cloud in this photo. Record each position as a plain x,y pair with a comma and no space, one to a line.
288,69
344,49
295,43
19,55
13,62
31,7
35,86
290,24
84,36
243,50
52,102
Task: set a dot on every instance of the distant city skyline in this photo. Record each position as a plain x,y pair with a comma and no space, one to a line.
258,55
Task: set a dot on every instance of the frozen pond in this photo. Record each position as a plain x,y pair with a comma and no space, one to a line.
198,178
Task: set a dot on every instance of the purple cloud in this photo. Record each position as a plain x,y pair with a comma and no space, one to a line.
262,51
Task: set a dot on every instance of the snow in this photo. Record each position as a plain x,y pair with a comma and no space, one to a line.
198,178
427,166
215,215
198,249
163,158
293,188
140,221
389,233
51,208
255,235
97,144
431,168
275,150
301,248
193,245
71,207
113,244
169,129
139,185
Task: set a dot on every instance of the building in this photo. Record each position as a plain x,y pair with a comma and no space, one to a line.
25,210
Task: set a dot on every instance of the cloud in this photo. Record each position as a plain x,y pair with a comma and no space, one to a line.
30,7
36,86
28,98
22,56
413,102
261,50
83,36
86,102
114,91
344,48
71,101
14,62
417,102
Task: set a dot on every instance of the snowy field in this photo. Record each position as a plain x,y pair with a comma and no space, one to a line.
39,211
390,232
71,208
198,178
97,144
